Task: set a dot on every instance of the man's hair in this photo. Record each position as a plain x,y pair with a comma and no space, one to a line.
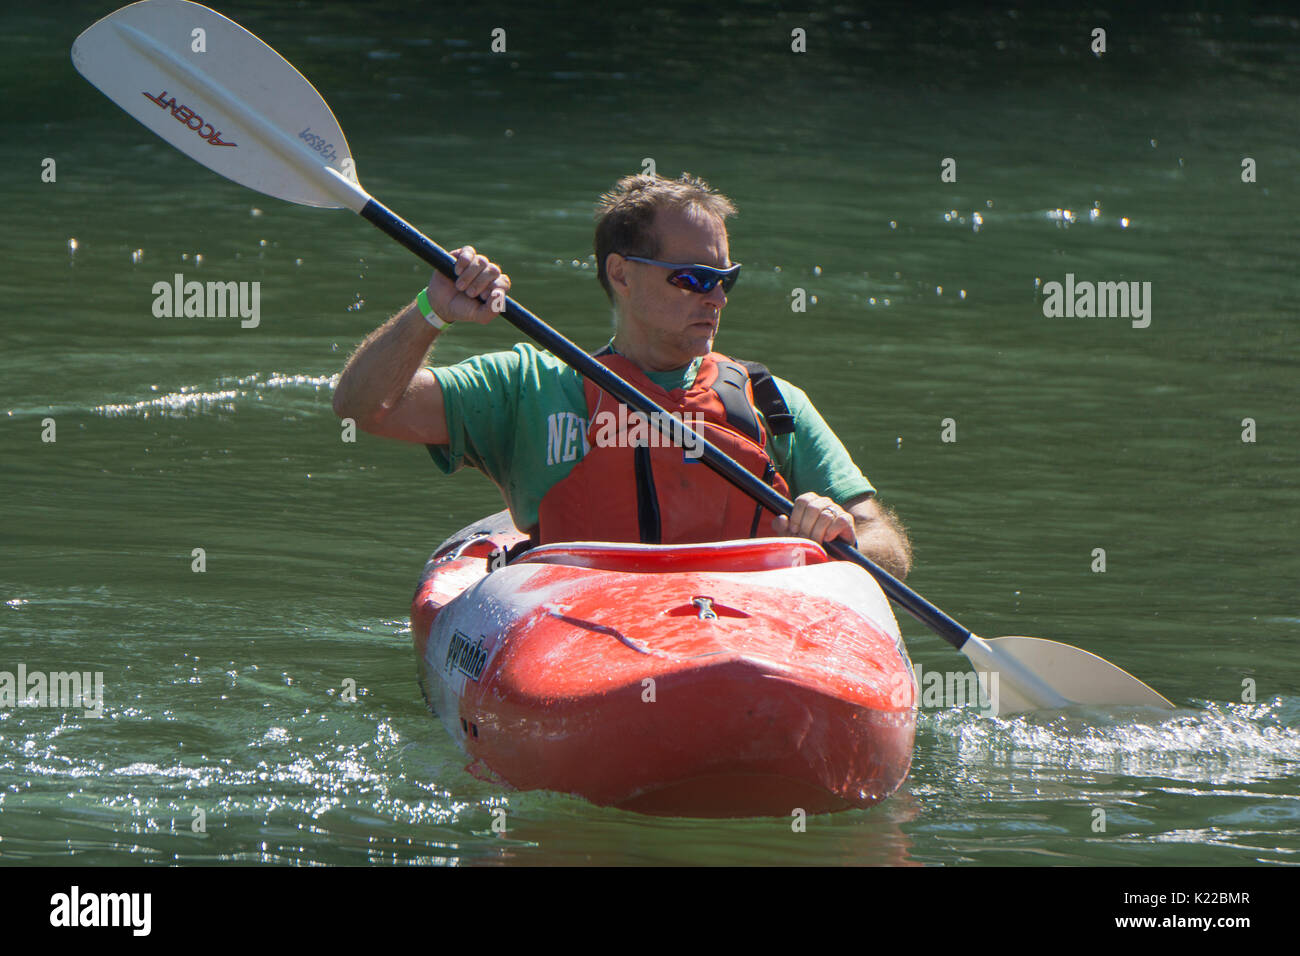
625,215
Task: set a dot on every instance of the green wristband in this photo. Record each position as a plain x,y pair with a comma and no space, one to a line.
426,310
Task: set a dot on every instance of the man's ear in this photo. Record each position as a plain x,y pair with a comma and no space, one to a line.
616,271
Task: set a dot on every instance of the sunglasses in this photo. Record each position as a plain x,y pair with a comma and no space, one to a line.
694,278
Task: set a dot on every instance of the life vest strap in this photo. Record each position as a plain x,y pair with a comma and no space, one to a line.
768,399
730,389
647,501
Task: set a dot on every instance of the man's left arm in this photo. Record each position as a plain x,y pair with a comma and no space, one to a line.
862,521
843,504
881,536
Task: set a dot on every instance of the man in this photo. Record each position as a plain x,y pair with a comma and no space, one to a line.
529,422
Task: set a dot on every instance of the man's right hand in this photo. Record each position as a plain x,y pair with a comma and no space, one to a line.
384,388
480,285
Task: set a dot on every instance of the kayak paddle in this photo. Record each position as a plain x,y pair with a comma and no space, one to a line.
236,106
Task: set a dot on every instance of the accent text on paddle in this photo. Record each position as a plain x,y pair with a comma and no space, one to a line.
183,114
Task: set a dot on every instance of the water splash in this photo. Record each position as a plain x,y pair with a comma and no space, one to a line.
195,399
1222,743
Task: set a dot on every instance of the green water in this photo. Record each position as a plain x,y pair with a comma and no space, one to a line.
224,690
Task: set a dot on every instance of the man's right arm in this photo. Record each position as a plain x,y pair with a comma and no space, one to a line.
385,387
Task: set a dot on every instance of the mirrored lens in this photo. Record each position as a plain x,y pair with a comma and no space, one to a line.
701,279
694,280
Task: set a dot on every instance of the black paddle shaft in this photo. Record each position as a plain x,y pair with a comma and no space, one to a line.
767,496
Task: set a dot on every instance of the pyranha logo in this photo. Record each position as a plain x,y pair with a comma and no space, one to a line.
183,114
469,659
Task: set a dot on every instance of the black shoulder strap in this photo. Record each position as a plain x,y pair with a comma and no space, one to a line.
730,387
768,399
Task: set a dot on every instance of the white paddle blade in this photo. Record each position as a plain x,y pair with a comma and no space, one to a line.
223,97
1064,675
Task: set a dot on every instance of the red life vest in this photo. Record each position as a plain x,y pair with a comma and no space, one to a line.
656,493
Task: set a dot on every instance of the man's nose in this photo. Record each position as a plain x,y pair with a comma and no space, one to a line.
717,296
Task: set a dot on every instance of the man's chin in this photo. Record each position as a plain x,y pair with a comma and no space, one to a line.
692,345
702,344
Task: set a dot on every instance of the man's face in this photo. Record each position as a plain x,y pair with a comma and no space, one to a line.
667,325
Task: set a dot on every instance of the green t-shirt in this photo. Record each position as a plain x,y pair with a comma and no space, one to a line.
520,417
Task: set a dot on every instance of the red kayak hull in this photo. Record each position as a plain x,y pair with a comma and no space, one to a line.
748,678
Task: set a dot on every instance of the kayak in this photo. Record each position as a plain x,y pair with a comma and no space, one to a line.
728,679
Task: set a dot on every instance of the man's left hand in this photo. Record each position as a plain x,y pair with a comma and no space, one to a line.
816,516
